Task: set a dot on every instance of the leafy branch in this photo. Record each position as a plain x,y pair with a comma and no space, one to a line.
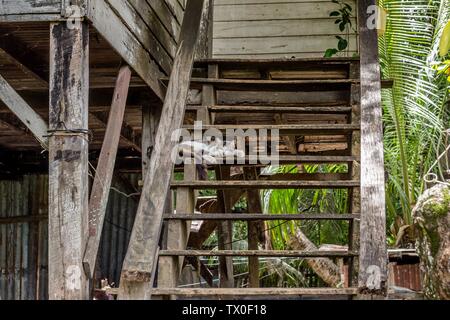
343,17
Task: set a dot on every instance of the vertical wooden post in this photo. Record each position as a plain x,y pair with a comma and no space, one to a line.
205,42
68,157
150,122
354,170
225,231
254,206
373,252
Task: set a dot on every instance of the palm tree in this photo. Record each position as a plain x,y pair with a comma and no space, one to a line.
415,112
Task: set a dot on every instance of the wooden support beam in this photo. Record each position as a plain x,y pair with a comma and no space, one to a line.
127,133
253,205
23,219
265,217
259,253
205,41
150,122
177,233
140,261
354,173
225,232
24,112
31,64
373,258
105,170
68,161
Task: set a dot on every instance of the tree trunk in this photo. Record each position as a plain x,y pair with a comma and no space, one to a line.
431,224
325,268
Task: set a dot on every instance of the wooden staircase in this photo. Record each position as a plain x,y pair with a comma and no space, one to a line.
322,111
314,105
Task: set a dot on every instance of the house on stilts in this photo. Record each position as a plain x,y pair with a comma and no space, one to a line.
91,94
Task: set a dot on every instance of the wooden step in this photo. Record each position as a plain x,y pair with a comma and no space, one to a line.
254,292
294,159
288,129
257,184
277,109
277,293
259,217
272,85
275,62
258,253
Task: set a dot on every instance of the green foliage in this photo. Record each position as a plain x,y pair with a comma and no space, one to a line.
444,46
343,20
415,112
307,201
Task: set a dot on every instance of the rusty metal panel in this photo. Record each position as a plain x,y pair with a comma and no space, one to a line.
24,245
119,221
406,276
21,258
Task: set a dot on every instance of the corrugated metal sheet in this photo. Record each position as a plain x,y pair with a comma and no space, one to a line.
405,276
24,245
117,230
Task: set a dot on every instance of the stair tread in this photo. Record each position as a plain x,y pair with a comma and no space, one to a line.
286,159
275,61
276,109
259,253
272,85
199,292
243,292
260,216
258,184
287,129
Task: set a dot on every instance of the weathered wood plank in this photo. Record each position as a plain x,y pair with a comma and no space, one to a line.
354,172
298,129
166,17
154,23
224,231
288,46
68,157
176,9
262,217
373,258
253,205
133,21
170,268
275,11
257,253
276,28
24,112
24,7
259,184
140,264
253,292
105,170
205,41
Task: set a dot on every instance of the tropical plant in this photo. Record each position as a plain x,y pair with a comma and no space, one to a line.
344,16
415,112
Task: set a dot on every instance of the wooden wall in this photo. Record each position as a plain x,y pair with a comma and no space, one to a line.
152,25
276,28
144,33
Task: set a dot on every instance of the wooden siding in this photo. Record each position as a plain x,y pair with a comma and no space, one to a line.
276,28
30,10
143,32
